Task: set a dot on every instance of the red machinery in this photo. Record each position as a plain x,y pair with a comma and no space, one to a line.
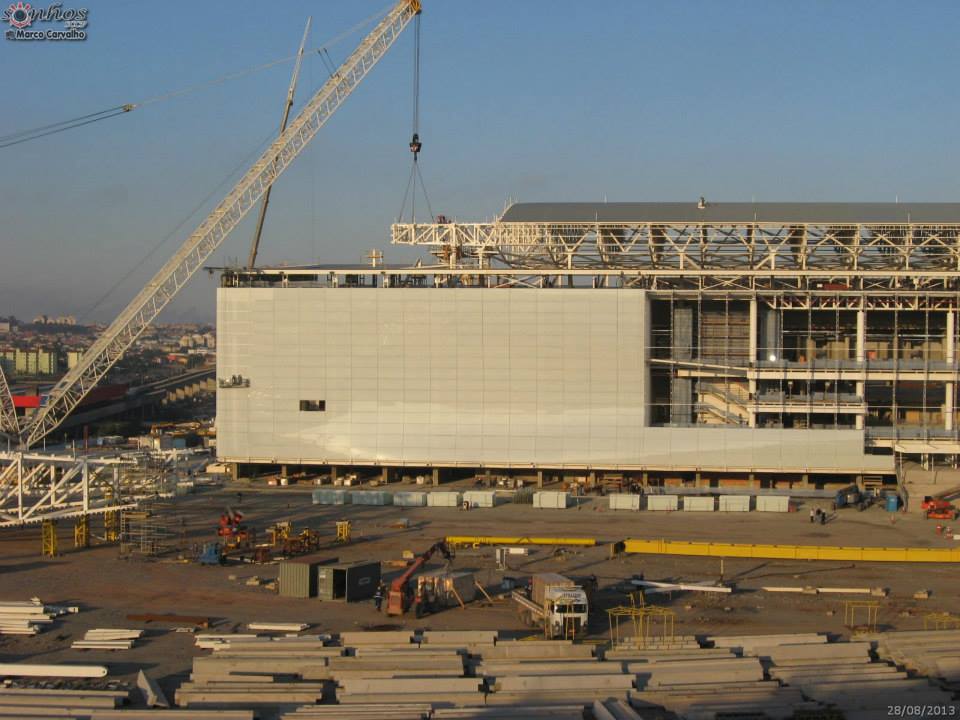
399,597
232,530
939,509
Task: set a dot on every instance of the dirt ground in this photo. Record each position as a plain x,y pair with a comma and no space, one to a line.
107,586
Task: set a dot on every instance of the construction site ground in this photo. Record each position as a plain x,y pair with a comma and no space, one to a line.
107,586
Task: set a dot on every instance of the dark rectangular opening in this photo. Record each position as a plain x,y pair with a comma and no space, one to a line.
313,405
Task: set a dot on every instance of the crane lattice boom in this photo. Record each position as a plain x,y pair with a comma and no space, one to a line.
8,413
168,281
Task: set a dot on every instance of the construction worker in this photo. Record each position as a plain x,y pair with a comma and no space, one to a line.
378,597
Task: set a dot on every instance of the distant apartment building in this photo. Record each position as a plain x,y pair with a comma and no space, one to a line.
51,320
32,361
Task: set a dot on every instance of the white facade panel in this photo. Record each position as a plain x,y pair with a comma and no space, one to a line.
474,377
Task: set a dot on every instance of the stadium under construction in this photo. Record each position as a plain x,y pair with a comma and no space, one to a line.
709,344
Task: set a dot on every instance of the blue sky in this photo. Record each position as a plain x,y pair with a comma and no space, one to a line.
534,100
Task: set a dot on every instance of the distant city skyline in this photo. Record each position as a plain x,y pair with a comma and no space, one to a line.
532,101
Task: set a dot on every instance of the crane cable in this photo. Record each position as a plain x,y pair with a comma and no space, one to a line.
36,133
415,144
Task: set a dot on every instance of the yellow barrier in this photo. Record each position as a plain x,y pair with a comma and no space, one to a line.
488,540
793,552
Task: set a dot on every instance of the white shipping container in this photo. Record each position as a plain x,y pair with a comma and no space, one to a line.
331,497
773,503
480,498
662,502
695,503
551,499
410,499
443,499
624,501
371,497
734,503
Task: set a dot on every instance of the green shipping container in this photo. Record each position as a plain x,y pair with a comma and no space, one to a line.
298,577
348,581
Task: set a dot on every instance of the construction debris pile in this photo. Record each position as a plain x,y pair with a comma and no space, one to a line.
28,617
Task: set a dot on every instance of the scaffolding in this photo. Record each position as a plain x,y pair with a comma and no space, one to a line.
49,547
853,609
148,532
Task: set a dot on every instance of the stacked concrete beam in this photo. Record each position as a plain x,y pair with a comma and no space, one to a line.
506,712
843,675
928,652
55,703
829,653
394,711
706,702
192,714
614,710
686,672
744,644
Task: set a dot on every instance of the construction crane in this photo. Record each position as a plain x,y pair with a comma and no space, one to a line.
8,412
399,597
110,346
287,106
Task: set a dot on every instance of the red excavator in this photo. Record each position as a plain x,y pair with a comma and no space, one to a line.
400,596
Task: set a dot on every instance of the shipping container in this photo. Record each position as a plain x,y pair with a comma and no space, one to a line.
447,589
624,501
348,581
662,502
734,503
371,497
444,499
696,503
410,499
541,582
328,496
480,498
551,499
297,579
773,503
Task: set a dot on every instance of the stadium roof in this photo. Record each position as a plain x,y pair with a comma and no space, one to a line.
829,213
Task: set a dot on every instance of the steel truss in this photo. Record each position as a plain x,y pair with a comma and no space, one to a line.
9,425
929,254
177,271
35,487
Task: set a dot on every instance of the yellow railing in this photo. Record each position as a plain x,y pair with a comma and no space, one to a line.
494,540
793,552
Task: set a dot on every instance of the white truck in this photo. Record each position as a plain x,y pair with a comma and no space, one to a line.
555,603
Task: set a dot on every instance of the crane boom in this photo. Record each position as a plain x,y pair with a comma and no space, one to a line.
8,412
287,106
160,290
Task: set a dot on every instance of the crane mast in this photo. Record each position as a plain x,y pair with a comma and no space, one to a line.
167,282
